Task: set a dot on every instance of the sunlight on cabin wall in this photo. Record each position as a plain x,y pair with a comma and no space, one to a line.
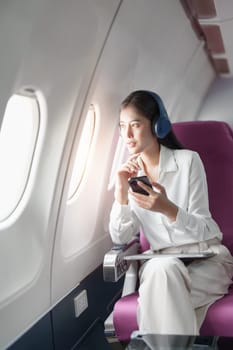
82,153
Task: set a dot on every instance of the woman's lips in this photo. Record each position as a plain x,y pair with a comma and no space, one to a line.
131,144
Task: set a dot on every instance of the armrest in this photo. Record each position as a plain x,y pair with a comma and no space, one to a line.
114,265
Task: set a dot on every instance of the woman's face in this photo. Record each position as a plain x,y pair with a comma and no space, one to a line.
136,131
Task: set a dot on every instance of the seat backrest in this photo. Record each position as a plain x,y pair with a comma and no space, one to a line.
213,140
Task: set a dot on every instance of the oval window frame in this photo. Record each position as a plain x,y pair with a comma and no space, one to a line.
38,104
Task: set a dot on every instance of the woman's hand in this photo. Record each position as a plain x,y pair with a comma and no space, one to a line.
156,201
129,169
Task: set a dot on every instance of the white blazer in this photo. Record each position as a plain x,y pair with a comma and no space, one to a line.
182,174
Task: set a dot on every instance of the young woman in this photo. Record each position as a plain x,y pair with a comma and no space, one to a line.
174,215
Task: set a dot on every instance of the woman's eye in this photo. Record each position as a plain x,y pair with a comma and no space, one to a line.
135,125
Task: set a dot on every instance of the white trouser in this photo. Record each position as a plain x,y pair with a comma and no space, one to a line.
174,298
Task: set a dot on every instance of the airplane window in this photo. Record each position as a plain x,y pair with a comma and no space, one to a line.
83,152
18,136
119,157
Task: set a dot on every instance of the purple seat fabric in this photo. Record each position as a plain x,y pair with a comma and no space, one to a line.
213,141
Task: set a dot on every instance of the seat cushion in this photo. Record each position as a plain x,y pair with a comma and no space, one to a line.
219,318
218,321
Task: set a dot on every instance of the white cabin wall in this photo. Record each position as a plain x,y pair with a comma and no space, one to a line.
153,46
218,102
16,17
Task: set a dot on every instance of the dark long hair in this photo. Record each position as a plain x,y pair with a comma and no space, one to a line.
146,105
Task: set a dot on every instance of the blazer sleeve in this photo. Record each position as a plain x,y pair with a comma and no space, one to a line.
123,224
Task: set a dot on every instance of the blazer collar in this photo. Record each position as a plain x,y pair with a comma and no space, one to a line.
167,162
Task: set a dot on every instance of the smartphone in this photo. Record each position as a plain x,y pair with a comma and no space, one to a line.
136,188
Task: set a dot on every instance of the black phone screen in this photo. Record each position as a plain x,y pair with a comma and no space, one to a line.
136,188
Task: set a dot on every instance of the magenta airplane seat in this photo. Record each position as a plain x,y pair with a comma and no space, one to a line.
213,140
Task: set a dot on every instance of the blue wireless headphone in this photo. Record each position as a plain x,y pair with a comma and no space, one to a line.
161,126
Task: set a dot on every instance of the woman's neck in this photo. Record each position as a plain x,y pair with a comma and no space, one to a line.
150,159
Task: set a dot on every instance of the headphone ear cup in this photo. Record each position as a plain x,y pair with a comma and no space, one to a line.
162,127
